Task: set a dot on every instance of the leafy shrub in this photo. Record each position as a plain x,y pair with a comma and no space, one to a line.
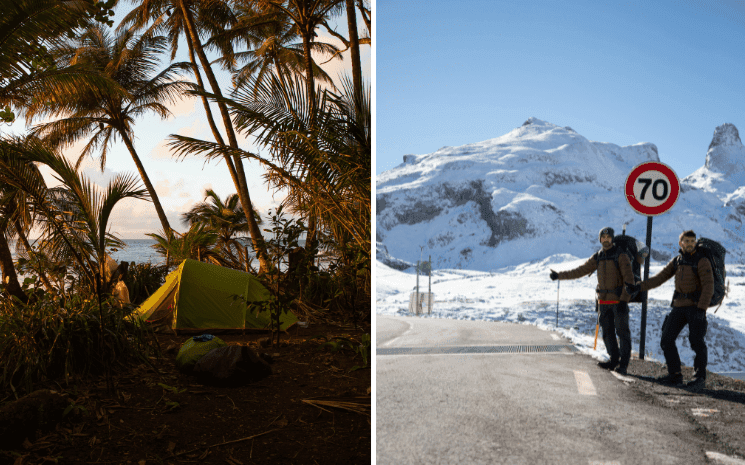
143,279
44,341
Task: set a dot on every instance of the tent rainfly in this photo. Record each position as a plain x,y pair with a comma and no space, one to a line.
199,295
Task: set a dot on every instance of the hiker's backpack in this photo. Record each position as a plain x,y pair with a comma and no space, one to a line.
636,252
714,252
195,348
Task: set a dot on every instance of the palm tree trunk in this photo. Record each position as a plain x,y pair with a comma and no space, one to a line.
210,119
310,89
205,102
146,180
310,85
27,246
354,48
10,278
242,186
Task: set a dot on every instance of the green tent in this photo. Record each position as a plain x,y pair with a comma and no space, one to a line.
199,295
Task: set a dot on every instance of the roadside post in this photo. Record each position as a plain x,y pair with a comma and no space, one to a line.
429,290
651,189
416,301
558,283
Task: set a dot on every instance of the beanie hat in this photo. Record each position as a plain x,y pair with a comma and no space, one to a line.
607,230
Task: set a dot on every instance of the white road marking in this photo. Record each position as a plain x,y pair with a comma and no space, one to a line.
470,354
402,335
704,412
725,459
598,462
584,384
625,379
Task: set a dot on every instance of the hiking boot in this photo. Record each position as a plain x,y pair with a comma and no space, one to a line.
696,385
621,370
607,365
673,379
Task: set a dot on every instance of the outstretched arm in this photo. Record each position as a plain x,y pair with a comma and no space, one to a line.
660,278
583,270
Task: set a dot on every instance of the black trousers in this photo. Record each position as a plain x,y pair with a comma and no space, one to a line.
671,328
614,319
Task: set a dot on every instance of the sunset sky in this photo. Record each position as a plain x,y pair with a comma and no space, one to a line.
181,184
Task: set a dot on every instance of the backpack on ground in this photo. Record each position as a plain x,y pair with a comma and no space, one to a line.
195,348
636,251
714,252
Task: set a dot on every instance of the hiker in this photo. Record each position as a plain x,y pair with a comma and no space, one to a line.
614,270
694,287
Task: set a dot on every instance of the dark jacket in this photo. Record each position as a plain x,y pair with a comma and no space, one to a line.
610,276
686,281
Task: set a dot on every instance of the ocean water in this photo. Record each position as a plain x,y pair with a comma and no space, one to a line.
139,251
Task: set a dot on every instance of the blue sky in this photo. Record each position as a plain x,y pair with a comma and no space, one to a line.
181,184
452,73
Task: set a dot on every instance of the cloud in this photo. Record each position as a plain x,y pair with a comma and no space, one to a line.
185,106
165,188
162,151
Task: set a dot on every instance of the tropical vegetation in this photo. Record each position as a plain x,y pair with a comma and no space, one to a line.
75,78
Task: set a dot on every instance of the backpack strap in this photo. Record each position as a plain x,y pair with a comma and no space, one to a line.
696,295
605,256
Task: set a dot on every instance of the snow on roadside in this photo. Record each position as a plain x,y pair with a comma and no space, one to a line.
525,294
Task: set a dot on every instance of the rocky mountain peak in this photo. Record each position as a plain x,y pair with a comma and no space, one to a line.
726,151
725,134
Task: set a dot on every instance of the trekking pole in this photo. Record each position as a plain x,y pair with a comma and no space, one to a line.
597,326
558,284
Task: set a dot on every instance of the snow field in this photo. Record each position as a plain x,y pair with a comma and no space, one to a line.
525,294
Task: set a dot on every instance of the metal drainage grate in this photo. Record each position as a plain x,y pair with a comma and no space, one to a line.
526,349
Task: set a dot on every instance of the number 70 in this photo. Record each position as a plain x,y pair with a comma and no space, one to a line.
655,185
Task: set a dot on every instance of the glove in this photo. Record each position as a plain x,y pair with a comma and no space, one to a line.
633,289
554,275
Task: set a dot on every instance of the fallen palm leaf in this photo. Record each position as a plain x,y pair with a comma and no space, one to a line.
225,443
359,405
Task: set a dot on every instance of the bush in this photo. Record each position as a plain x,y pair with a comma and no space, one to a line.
143,279
44,341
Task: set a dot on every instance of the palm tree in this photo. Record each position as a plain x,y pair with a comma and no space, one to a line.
272,43
167,19
209,15
16,220
129,61
353,43
79,228
28,28
198,243
306,15
338,160
227,219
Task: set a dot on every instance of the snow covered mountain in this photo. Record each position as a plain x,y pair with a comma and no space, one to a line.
541,190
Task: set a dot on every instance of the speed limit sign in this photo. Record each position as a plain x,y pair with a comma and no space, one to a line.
652,188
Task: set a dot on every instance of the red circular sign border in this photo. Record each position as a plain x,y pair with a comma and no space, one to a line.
662,208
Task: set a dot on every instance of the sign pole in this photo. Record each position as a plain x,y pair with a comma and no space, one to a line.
651,189
643,335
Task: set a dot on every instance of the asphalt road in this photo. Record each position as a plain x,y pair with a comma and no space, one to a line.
462,406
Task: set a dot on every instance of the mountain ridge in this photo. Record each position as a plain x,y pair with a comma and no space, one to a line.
540,190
